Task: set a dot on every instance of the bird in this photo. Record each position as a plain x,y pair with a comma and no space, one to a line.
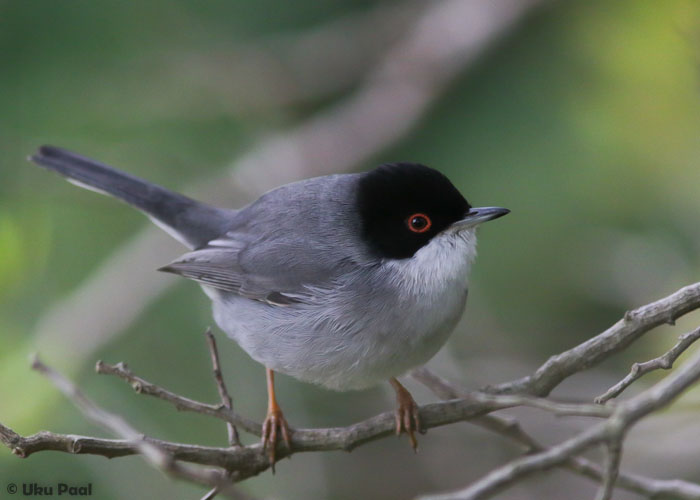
343,281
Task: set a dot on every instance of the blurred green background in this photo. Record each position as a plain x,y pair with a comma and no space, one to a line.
584,120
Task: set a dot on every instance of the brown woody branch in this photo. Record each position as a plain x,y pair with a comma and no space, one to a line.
226,400
634,324
142,386
663,362
512,430
469,406
631,327
610,432
156,456
339,438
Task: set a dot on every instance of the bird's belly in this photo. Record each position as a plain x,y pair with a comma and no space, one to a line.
343,345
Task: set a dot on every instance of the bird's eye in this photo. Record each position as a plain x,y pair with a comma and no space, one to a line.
418,223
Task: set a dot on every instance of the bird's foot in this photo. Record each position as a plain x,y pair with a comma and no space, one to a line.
273,423
406,414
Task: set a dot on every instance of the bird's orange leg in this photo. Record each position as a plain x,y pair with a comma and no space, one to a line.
274,420
407,418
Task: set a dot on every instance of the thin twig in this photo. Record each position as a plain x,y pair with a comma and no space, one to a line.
156,456
473,404
233,437
625,415
226,401
663,362
646,486
339,438
248,458
557,408
595,350
446,390
347,438
613,456
500,424
510,428
141,386
23,447
211,494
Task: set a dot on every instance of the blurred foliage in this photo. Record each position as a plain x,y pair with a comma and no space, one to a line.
585,122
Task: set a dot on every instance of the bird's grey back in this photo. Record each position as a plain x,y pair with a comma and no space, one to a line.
304,233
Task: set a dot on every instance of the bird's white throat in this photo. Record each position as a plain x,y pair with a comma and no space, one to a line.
442,264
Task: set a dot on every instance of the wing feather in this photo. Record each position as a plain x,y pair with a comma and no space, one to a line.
291,245
218,267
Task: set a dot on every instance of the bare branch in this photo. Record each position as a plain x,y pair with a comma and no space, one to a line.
613,456
247,460
557,408
663,362
505,426
334,438
634,324
182,403
345,438
211,494
649,487
23,447
624,416
509,428
157,457
226,401
446,390
473,405
233,438
11,439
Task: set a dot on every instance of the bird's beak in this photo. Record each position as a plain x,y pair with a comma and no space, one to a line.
476,216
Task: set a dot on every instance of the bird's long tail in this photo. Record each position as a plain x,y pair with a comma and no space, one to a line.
191,222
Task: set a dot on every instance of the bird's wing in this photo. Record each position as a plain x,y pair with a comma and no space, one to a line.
270,274
288,246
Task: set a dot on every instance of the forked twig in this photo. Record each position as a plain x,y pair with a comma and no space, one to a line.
663,362
233,437
156,456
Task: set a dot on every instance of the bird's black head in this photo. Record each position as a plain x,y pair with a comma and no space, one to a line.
403,205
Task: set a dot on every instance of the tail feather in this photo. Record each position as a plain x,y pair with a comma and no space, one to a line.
191,222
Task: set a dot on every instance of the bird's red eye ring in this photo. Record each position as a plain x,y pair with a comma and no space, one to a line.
418,223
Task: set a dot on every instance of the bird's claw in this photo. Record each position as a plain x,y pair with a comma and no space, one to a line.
275,420
407,417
